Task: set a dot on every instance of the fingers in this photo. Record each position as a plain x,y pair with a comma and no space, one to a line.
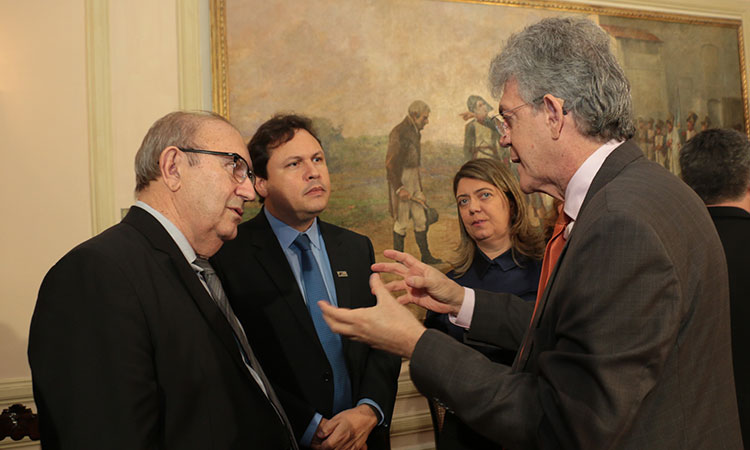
388,267
325,427
378,288
340,320
404,258
339,433
396,285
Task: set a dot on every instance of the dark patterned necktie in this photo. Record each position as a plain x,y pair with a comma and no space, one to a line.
221,300
315,289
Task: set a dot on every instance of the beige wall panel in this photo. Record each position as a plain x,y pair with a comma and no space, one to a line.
144,80
44,148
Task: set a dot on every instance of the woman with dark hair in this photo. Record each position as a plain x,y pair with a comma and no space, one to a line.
500,251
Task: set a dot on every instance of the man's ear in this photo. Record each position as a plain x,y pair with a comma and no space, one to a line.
553,107
171,161
261,186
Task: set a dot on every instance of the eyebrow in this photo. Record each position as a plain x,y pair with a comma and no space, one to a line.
475,192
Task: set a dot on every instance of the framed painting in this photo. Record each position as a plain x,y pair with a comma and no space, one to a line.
356,67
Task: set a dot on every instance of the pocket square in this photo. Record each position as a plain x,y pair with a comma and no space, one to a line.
341,274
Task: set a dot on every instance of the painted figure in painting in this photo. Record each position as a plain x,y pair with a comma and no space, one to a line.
673,147
690,131
648,144
481,136
402,165
660,145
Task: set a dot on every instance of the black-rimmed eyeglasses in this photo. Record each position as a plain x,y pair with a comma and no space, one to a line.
240,168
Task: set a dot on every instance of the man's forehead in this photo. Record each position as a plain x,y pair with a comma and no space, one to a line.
509,94
301,143
218,133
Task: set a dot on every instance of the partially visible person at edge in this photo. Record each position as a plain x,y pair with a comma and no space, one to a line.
716,164
499,251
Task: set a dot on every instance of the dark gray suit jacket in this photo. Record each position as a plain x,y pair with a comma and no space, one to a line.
267,300
128,351
631,349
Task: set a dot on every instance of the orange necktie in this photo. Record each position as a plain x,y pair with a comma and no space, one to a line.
553,250
551,255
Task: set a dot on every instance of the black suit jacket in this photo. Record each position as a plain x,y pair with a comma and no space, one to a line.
631,346
733,225
267,300
128,351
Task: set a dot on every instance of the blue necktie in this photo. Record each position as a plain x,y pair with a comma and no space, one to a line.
315,289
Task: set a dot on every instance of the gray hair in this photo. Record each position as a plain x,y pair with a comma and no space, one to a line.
716,165
417,108
570,58
178,129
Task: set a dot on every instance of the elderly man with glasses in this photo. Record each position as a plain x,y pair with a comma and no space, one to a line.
133,344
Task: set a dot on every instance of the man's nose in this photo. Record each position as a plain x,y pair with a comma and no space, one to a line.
246,190
505,139
311,171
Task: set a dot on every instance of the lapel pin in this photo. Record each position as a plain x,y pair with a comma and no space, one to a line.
341,274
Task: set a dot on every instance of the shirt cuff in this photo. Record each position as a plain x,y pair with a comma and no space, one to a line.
378,410
466,313
307,437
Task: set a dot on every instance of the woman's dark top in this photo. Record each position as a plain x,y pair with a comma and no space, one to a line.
501,274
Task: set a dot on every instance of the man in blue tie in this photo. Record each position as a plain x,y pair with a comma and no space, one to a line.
337,393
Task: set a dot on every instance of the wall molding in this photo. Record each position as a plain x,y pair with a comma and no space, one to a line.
99,103
23,443
189,67
15,390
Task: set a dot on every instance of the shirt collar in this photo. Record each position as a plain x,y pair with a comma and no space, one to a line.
174,232
286,234
580,183
482,262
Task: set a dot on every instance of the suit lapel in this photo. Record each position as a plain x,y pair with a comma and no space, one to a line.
337,257
277,269
163,242
613,165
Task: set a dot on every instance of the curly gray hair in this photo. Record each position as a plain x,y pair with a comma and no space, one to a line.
570,58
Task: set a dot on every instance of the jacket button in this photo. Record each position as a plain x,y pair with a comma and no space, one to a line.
326,376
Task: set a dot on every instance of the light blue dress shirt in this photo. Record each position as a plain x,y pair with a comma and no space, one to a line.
286,236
